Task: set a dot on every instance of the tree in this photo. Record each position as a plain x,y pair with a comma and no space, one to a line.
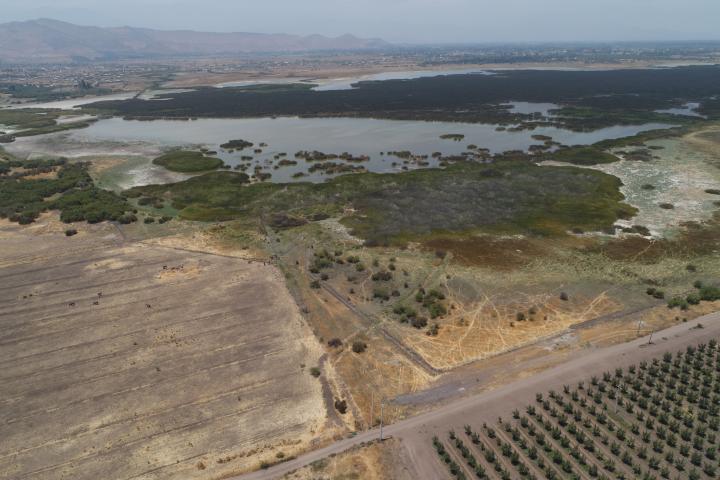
341,406
359,346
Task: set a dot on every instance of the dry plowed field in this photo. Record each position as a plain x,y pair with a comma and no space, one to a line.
131,361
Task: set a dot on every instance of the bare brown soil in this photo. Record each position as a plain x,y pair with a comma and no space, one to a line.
101,164
38,176
130,360
288,74
314,70
706,139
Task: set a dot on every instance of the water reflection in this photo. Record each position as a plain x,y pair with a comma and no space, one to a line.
374,138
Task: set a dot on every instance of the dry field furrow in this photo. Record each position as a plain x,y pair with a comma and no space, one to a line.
185,358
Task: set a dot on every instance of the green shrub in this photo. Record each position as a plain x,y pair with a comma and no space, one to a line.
419,322
437,310
406,311
382,276
127,218
678,302
381,293
693,299
709,293
435,294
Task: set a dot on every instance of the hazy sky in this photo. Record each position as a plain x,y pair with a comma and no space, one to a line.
417,21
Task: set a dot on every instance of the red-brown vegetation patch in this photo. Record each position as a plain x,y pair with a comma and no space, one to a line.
487,251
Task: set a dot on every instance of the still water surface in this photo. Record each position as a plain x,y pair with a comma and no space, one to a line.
371,137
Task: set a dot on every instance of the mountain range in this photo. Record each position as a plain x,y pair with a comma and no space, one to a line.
52,41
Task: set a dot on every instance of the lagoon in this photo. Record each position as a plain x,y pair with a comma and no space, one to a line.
357,136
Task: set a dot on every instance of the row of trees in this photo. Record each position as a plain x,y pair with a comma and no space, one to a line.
659,419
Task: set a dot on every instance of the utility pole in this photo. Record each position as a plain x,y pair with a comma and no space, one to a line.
372,406
382,406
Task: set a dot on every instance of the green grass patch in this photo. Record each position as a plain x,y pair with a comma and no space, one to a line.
188,162
58,127
34,121
582,156
27,117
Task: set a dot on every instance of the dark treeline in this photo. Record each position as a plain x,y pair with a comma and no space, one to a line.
473,98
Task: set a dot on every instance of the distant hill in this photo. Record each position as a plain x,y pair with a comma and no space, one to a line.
47,41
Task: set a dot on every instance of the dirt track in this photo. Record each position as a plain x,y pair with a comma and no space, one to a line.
415,433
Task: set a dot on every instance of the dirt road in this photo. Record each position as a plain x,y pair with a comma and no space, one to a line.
416,432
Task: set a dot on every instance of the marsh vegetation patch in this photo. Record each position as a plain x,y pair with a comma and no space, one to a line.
185,161
514,196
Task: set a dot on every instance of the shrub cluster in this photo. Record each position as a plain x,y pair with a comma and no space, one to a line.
431,300
74,194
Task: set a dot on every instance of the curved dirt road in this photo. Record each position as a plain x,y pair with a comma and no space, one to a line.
415,432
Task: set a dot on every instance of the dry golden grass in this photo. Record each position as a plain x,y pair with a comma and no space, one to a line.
369,462
380,372
485,328
652,320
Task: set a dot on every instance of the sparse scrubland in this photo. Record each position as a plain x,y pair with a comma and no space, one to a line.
422,251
